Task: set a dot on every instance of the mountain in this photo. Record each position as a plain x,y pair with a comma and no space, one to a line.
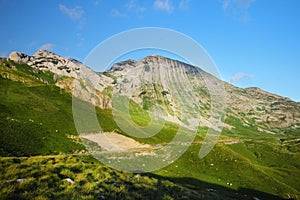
256,157
270,113
150,81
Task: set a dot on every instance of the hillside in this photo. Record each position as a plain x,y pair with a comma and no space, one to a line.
267,112
257,154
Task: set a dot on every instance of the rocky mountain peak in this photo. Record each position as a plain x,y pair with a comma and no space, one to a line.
68,74
153,61
154,58
44,53
123,65
60,66
46,60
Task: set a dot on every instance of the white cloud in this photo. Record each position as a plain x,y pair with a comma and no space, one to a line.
163,5
47,46
75,13
97,2
245,4
239,76
117,13
184,4
133,6
238,8
242,4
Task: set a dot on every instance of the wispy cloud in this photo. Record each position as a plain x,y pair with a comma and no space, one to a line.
116,13
239,76
163,5
238,8
184,4
75,13
133,6
225,4
47,46
97,2
3,54
242,4
80,40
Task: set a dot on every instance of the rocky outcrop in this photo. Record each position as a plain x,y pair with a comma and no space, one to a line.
262,109
19,57
65,68
85,92
46,60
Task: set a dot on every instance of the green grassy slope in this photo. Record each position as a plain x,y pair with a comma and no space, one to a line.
45,178
246,159
36,119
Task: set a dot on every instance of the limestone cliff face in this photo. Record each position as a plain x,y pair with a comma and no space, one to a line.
156,79
70,74
64,67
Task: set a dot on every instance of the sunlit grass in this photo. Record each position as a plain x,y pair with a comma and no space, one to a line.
75,177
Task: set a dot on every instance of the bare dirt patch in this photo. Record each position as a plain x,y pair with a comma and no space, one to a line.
114,142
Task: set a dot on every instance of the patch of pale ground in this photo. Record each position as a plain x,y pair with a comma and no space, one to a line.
114,142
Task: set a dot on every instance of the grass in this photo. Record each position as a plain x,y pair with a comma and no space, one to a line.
36,119
46,178
233,169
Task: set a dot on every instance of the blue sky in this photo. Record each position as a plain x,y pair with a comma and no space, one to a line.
253,42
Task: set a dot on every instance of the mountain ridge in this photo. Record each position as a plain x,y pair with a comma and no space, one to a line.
24,58
148,80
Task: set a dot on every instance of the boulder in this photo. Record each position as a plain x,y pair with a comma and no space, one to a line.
19,57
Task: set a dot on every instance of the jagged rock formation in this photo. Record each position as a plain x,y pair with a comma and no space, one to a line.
64,67
70,74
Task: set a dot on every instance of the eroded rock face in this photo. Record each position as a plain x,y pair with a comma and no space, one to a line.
151,79
69,69
45,60
85,92
19,57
